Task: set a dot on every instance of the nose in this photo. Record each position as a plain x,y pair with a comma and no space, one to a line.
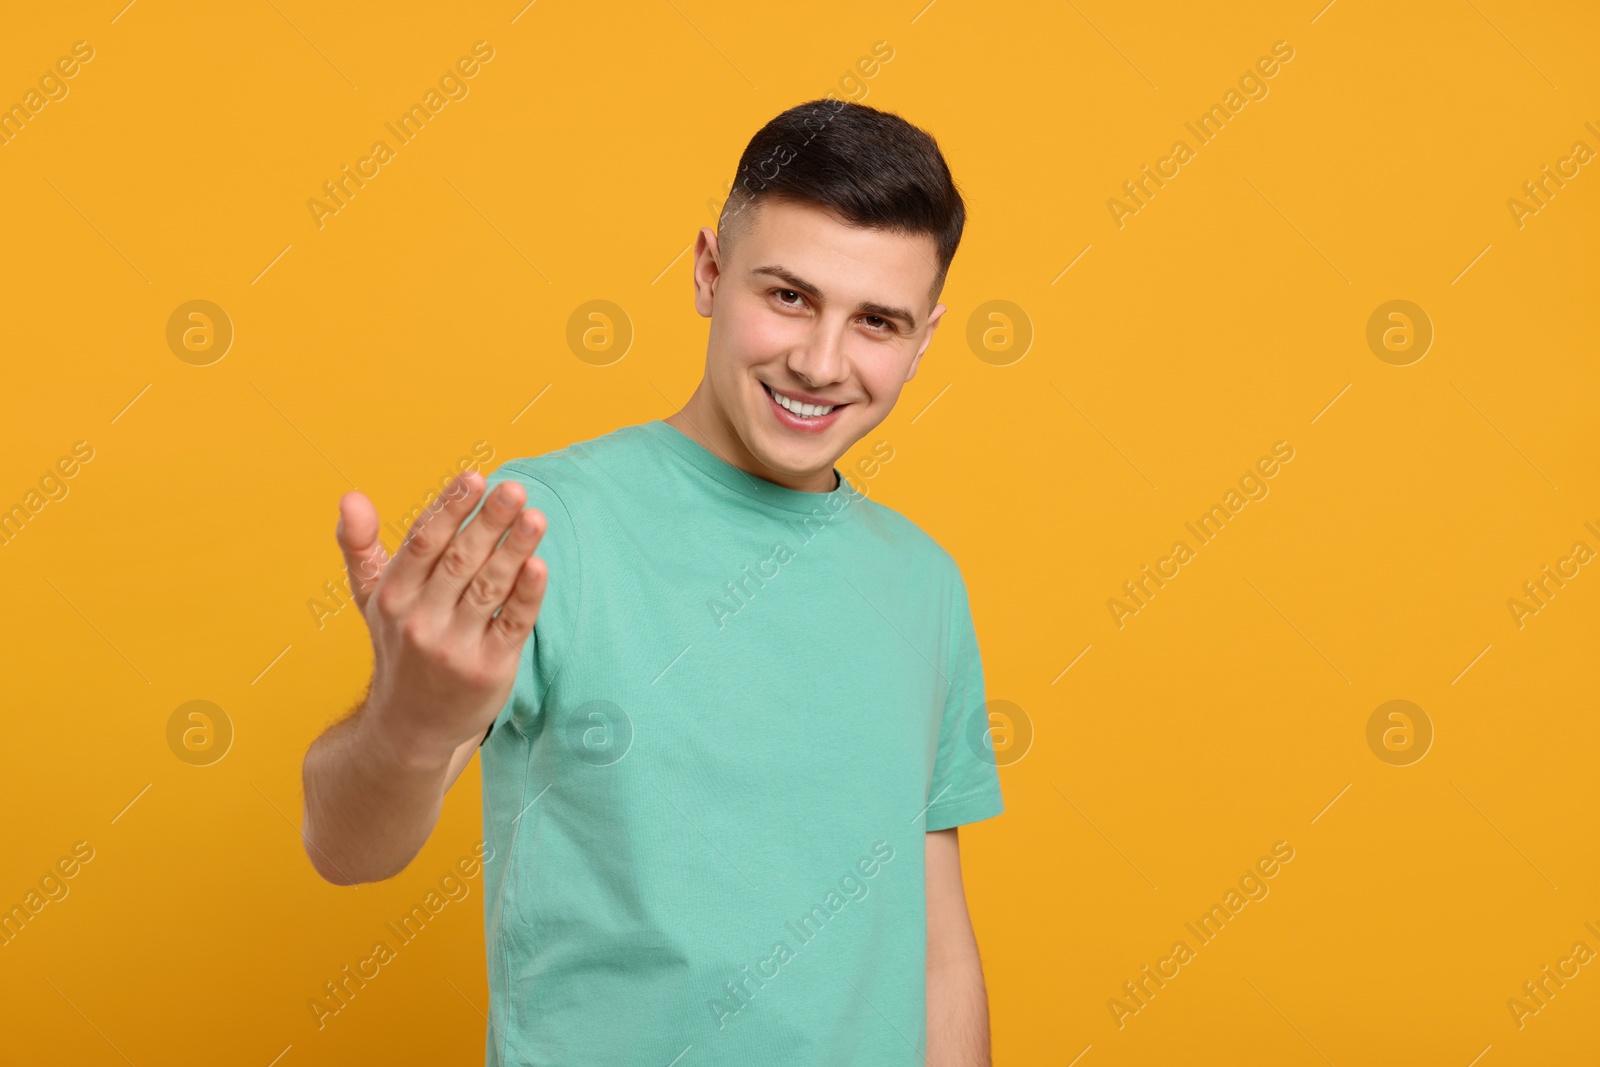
820,361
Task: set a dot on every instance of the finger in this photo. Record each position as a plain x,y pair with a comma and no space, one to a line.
430,535
504,637
467,552
364,555
488,589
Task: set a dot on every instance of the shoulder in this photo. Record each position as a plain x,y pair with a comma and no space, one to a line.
910,541
565,473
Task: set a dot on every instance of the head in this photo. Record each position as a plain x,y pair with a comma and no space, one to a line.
822,283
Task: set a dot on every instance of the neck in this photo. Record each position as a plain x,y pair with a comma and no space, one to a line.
704,422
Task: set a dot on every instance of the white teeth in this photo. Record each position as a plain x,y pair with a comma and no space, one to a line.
805,411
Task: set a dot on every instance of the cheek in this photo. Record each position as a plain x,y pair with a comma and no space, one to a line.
755,336
881,376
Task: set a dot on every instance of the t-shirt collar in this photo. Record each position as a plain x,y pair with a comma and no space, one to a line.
742,481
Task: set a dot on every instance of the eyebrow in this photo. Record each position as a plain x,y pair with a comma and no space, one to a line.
799,284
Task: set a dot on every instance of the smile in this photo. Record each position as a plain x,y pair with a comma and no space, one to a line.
799,416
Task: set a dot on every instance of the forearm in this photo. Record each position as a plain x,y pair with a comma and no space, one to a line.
369,807
958,1013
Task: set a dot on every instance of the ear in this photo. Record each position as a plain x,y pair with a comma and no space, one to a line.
933,324
707,269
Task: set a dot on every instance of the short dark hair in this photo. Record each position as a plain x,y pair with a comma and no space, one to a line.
871,168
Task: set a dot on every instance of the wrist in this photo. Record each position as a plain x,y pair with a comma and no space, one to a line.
399,746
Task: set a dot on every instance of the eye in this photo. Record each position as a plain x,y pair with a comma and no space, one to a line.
887,327
790,292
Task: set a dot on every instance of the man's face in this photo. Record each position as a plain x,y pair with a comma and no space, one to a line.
808,308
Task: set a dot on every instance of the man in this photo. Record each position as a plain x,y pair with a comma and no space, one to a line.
721,783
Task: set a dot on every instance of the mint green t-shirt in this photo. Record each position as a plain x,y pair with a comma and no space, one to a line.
739,711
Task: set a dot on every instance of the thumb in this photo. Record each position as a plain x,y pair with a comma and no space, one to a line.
364,555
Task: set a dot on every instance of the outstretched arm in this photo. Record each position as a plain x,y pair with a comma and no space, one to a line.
958,1006
448,616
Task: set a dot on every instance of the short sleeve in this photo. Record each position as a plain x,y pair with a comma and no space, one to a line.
553,631
965,786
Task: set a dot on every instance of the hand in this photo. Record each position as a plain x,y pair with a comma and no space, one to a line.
443,661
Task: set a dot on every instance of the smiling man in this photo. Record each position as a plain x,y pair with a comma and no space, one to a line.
712,837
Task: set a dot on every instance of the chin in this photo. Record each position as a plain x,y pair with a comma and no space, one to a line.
792,457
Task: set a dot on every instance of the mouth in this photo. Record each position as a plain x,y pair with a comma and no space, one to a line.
791,415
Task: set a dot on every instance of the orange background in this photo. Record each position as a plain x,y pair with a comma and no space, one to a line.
1229,313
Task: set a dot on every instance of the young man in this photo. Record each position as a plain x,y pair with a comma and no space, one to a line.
721,783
